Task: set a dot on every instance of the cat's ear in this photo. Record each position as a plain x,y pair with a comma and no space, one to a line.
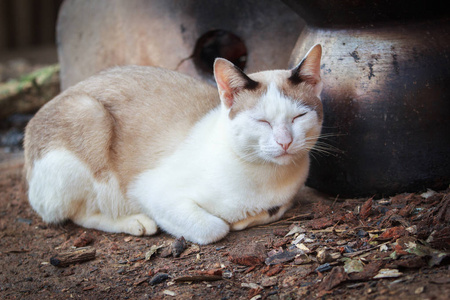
308,70
230,80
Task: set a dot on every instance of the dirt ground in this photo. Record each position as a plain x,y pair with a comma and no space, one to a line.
324,247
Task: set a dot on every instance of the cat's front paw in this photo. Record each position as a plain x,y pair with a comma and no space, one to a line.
141,224
212,231
149,225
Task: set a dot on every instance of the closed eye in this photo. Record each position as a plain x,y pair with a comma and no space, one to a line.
299,116
264,121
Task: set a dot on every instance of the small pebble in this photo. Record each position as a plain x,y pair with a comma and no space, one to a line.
323,268
362,233
178,246
348,249
158,278
227,274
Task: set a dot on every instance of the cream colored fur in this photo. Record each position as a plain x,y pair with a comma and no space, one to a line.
134,148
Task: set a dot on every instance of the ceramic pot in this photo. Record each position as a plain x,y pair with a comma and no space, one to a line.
179,35
386,95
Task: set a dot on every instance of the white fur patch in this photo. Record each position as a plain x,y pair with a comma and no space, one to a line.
277,108
263,132
204,185
62,187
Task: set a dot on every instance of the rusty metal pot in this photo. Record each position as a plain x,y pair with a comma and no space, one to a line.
386,72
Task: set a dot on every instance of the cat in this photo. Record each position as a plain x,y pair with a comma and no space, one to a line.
137,148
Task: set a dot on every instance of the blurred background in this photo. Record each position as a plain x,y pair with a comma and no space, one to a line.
385,67
27,43
27,32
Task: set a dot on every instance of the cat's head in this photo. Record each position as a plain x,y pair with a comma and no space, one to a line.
273,116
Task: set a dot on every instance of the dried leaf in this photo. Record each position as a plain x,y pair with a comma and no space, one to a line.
153,250
275,270
333,279
83,240
193,249
269,281
216,272
353,266
282,257
299,238
320,223
428,194
393,233
369,271
198,278
251,285
366,209
296,229
169,293
253,254
303,248
388,273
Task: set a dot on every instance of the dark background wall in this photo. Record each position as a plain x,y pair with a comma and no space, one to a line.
27,23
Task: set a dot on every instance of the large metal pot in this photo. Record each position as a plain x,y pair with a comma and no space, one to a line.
386,72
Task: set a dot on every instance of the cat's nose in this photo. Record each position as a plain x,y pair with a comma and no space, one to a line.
285,146
283,137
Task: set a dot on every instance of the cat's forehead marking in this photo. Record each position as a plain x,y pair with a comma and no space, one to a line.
302,93
278,107
247,99
297,91
250,97
276,85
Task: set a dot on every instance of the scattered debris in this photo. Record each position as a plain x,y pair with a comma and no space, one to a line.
366,209
253,254
251,285
152,251
193,278
178,246
194,248
353,265
169,293
83,240
283,256
75,256
388,273
399,249
295,229
269,281
334,278
158,278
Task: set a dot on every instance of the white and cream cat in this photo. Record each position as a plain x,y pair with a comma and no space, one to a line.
134,147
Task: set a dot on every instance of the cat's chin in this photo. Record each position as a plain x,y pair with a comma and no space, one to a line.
284,159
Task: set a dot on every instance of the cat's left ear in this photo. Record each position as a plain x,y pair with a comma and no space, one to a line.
308,70
230,80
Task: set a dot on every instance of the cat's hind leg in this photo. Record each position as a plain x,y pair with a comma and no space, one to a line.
58,186
264,217
62,187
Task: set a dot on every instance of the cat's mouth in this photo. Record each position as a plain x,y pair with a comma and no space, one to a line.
285,154
283,158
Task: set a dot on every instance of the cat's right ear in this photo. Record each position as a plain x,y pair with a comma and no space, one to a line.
308,70
231,80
